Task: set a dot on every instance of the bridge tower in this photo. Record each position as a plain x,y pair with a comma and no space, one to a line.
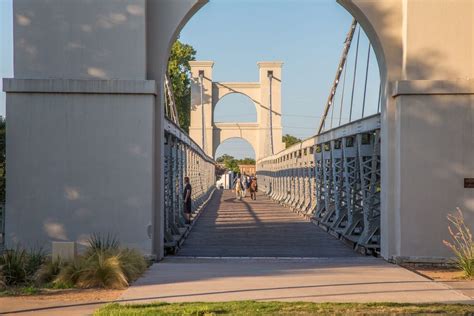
264,137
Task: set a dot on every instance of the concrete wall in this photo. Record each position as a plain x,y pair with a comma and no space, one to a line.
78,163
79,39
426,60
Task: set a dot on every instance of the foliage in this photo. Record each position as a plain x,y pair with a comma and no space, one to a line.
462,243
290,140
104,264
18,266
132,263
48,271
102,269
99,242
232,164
284,308
179,72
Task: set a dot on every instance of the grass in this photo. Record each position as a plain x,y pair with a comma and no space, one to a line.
284,308
461,244
103,265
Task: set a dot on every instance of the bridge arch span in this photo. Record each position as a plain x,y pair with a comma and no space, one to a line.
243,108
241,141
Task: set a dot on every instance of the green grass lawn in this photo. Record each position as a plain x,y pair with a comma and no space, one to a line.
284,308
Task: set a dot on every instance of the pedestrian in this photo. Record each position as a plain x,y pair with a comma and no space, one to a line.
246,185
187,200
238,187
253,188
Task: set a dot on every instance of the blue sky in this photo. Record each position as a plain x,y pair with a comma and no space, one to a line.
307,35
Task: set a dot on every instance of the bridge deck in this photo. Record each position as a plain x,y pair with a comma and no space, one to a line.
261,228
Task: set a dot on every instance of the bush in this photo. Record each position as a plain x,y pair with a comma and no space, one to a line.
462,243
104,264
102,269
48,271
69,274
133,264
108,242
18,266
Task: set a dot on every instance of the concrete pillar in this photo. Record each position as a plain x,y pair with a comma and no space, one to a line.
264,68
426,64
202,115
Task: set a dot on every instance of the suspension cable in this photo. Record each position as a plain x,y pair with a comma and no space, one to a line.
366,76
355,73
380,94
343,89
342,61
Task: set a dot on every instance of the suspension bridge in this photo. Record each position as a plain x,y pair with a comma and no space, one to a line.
115,157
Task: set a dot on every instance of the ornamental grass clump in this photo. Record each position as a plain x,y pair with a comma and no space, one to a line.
18,266
462,243
104,264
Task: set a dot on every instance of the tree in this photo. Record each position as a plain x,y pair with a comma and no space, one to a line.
180,72
232,164
246,161
290,140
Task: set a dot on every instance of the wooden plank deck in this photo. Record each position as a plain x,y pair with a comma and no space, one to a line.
261,228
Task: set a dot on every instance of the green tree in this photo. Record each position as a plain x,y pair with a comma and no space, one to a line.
229,162
179,72
246,161
290,140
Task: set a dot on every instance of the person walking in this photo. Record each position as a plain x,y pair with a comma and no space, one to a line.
238,187
253,188
187,200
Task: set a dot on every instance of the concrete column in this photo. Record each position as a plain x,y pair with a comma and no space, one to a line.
264,68
426,64
203,137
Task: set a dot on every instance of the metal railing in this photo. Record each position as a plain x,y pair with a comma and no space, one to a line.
183,157
333,179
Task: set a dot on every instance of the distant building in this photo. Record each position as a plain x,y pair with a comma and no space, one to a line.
247,169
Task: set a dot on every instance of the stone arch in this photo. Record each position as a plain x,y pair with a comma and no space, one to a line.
206,93
233,138
236,93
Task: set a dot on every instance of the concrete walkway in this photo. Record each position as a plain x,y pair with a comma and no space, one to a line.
287,259
316,280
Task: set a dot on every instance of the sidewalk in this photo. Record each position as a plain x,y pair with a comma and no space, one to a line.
316,280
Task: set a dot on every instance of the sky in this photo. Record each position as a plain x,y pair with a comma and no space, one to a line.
307,35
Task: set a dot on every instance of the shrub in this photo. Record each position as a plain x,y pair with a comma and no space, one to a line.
18,266
462,243
69,274
104,264
48,271
102,269
108,242
133,264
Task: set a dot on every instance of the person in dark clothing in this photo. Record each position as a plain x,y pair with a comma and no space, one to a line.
187,200
253,189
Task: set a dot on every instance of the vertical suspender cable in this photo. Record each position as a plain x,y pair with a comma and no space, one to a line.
366,76
201,79
270,77
380,94
355,72
342,61
343,89
332,111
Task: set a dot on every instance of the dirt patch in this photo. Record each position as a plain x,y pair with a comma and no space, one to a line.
442,274
56,298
